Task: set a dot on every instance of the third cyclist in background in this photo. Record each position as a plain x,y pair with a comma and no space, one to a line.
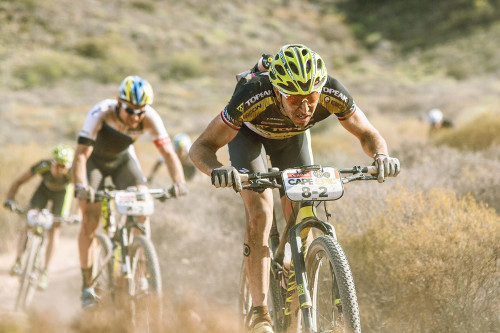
182,144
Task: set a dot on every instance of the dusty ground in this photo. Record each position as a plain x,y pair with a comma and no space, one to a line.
61,299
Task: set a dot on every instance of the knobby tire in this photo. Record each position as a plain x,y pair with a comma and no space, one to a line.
146,304
327,268
102,271
28,282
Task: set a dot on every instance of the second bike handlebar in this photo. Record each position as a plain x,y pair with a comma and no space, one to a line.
160,194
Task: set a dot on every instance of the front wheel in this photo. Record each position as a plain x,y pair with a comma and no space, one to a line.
29,277
145,285
334,302
102,270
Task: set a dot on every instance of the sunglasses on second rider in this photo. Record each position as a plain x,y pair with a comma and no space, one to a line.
132,111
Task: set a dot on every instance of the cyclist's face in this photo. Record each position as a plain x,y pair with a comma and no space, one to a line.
299,108
58,170
131,114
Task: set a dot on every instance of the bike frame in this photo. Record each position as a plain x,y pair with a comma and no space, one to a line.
121,238
297,229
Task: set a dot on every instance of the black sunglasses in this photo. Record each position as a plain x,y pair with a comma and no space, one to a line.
132,112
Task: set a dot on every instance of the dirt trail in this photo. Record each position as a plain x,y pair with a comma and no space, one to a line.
61,299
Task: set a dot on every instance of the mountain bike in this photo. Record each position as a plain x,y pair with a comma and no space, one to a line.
318,270
126,272
38,222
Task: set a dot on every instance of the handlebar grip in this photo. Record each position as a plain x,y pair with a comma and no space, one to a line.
244,177
371,169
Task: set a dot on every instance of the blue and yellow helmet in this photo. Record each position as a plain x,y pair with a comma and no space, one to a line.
136,91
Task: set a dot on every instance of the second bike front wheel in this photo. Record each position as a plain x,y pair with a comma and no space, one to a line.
334,301
145,286
102,270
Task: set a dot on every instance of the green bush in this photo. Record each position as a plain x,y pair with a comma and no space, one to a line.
48,66
182,66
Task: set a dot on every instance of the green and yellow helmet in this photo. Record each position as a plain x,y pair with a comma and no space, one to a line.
63,154
297,70
136,91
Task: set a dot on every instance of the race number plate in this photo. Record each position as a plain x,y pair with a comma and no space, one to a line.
127,204
313,185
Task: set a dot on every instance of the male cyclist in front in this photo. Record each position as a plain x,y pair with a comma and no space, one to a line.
270,114
105,149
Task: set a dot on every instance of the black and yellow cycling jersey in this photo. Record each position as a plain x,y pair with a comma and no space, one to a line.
54,189
254,103
52,183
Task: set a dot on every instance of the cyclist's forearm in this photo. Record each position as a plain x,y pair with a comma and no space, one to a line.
11,194
174,167
204,158
374,143
79,169
172,162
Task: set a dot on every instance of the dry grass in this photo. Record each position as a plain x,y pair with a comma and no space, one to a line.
481,133
429,262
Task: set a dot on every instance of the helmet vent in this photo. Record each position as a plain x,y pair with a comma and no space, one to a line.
308,65
294,68
289,54
280,69
288,87
304,85
319,63
272,76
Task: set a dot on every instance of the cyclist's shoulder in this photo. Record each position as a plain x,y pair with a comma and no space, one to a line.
334,90
103,106
41,166
255,83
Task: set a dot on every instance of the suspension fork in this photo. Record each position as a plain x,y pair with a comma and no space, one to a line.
298,241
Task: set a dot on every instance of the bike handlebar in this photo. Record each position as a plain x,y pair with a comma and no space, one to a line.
72,219
263,180
160,193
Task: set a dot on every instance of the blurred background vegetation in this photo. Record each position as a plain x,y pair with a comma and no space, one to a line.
424,247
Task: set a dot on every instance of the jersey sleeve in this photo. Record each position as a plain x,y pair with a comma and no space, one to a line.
337,99
40,167
157,130
243,96
93,122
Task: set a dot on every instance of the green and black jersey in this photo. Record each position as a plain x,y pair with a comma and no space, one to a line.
52,183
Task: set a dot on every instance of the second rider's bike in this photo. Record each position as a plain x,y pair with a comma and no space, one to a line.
126,271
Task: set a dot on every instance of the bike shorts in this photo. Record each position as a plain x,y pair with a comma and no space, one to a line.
60,200
248,152
124,171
